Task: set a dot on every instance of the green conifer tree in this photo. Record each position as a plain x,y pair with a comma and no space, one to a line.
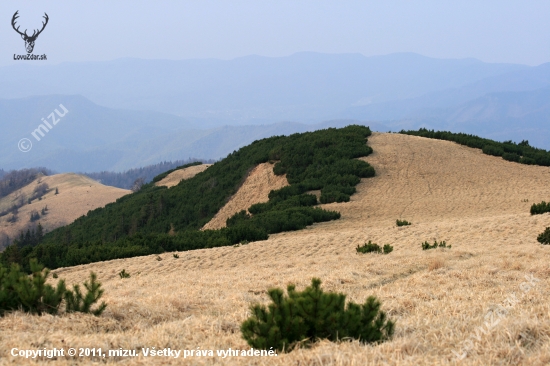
76,301
310,315
39,234
30,294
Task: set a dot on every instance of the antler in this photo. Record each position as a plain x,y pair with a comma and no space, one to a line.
15,16
34,35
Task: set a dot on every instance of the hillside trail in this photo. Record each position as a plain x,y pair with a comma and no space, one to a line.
177,176
439,298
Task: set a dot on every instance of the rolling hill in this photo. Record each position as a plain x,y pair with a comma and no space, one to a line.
441,299
146,221
76,196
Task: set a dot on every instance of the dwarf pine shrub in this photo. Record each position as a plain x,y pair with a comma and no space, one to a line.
544,237
511,157
76,301
123,274
442,244
540,208
402,222
301,318
31,294
494,150
369,248
387,249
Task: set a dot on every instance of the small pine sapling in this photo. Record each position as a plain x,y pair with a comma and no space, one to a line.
30,294
388,249
402,222
442,244
75,301
175,255
124,274
544,237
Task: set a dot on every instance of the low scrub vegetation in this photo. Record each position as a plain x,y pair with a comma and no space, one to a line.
371,247
402,223
19,291
540,208
123,274
301,318
522,152
544,237
442,244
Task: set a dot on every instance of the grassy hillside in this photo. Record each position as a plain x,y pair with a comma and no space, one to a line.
158,219
441,299
65,198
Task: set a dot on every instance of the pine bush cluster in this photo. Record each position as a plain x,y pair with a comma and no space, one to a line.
540,208
301,318
402,222
371,247
544,237
76,301
442,244
19,291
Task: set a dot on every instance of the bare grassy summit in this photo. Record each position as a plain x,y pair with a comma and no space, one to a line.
77,194
439,298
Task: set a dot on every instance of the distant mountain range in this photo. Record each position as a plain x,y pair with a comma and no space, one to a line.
305,87
129,113
500,116
91,138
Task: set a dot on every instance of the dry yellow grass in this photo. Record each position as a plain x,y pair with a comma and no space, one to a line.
177,176
436,263
255,189
449,192
78,194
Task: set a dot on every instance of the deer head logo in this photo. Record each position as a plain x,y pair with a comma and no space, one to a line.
29,40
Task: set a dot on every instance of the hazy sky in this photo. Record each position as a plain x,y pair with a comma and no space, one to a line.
490,30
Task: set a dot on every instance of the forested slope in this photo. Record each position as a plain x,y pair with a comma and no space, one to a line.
158,219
